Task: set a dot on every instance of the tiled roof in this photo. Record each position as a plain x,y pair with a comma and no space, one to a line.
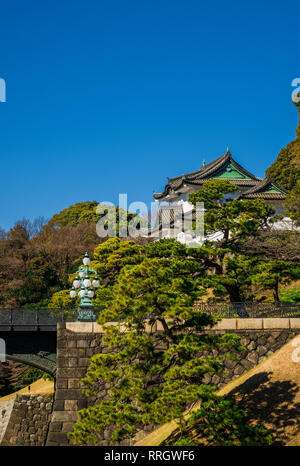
234,181
264,196
258,191
205,172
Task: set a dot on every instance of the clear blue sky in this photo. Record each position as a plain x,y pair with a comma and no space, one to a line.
113,96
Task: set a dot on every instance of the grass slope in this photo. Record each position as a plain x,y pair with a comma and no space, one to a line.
40,387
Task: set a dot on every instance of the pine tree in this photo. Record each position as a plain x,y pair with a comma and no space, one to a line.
231,267
154,375
158,350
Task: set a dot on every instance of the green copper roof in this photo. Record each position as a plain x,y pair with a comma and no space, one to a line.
223,167
273,189
231,172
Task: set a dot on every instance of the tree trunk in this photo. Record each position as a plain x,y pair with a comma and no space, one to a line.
276,292
235,297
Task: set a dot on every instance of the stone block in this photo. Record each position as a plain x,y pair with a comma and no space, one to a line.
83,344
276,323
215,379
97,328
246,364
71,372
230,363
70,394
67,427
62,343
249,323
261,350
295,322
64,416
71,344
59,405
225,324
251,346
57,438
80,327
74,383
239,369
253,357
71,352
84,362
226,373
72,362
62,362
71,405
20,441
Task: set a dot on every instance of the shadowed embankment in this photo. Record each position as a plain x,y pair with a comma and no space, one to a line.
269,393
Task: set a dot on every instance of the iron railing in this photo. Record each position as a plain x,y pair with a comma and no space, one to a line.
232,310
46,317
39,317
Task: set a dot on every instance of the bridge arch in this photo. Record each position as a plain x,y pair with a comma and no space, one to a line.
41,363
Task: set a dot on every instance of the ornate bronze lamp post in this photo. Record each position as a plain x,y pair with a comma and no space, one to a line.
85,287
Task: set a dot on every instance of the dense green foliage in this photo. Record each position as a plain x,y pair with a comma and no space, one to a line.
86,212
16,376
154,376
291,296
219,422
293,201
233,269
31,375
82,212
286,172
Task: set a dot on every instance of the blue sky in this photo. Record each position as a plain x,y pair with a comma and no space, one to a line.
108,97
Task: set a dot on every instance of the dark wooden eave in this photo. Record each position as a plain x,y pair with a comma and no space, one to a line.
258,191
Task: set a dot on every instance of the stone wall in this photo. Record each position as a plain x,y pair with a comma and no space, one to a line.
258,346
74,348
77,342
5,412
29,420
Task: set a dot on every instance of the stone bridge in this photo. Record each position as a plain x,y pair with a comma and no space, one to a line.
63,349
30,336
